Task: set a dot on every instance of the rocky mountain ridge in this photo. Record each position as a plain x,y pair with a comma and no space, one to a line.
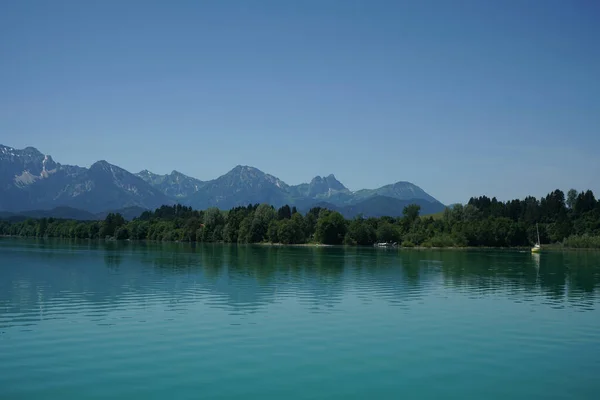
31,180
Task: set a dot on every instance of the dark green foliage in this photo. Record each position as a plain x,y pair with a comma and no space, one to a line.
122,233
290,231
583,242
287,230
232,223
273,231
585,202
360,232
574,222
263,215
111,224
411,212
571,198
440,240
331,227
284,212
244,232
212,228
388,232
310,222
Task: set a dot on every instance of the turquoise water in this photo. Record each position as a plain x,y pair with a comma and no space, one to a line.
155,321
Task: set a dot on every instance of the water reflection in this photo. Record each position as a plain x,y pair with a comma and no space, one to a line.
35,275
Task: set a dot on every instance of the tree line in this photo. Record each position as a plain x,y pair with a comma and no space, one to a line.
572,220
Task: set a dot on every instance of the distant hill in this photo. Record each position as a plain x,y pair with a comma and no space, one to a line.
398,190
128,213
30,180
379,206
58,212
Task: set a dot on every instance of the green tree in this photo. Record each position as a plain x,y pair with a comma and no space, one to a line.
411,212
388,233
138,230
290,231
585,202
284,212
42,227
244,232
310,222
190,227
110,224
94,230
571,198
122,233
331,227
81,231
360,232
286,232
212,229
483,221
272,231
232,225
263,216
299,222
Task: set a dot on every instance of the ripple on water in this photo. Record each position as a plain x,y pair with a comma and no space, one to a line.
295,323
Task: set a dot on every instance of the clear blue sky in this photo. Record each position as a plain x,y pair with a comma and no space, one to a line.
459,97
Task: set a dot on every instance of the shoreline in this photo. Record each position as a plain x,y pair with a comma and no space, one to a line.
545,248
270,244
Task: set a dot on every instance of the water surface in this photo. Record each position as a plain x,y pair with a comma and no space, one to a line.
153,321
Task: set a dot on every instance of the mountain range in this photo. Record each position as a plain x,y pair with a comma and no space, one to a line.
32,183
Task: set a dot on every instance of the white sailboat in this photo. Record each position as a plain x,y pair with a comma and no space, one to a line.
537,247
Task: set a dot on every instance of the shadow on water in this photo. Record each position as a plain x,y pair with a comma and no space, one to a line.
35,273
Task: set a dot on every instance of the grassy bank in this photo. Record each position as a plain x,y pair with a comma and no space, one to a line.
582,242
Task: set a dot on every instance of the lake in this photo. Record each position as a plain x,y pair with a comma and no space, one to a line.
154,321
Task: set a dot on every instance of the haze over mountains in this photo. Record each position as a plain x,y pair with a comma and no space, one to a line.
30,180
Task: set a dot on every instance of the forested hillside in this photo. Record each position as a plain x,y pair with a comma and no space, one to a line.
573,220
